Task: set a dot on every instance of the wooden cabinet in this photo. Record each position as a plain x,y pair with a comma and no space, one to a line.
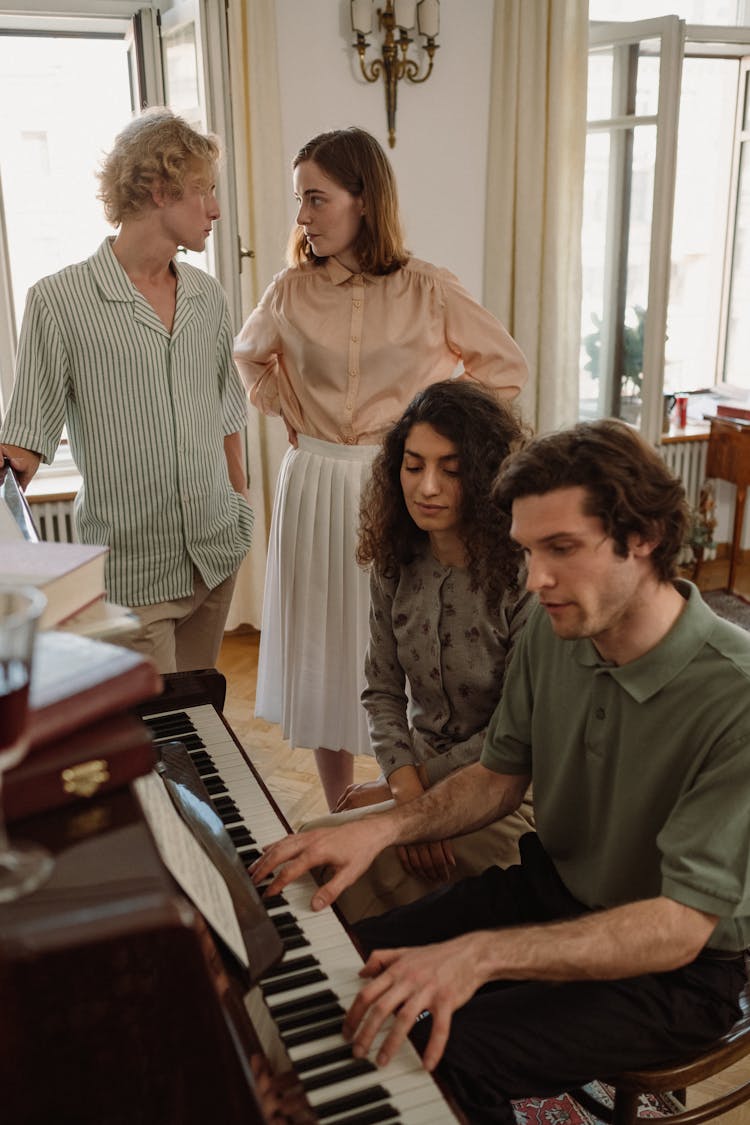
729,459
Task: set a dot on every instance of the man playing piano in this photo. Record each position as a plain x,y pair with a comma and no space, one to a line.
133,352
617,942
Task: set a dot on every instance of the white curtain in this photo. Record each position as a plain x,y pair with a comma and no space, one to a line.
262,187
536,156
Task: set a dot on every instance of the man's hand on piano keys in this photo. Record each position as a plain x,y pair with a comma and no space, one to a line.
348,850
437,978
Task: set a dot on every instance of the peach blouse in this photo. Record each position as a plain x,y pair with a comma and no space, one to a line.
341,355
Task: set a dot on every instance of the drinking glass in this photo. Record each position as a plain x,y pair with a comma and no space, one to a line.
22,866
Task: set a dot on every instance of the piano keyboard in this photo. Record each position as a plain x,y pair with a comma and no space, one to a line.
305,996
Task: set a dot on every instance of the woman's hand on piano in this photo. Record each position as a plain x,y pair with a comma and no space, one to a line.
348,850
437,978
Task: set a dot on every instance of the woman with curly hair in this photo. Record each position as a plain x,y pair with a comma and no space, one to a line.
447,604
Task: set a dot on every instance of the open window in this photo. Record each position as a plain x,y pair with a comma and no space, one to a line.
666,216
73,81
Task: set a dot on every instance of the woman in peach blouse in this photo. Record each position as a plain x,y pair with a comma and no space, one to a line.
340,343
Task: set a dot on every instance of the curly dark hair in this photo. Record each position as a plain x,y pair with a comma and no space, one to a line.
484,430
629,487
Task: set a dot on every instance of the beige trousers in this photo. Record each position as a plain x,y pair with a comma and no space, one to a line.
185,634
386,884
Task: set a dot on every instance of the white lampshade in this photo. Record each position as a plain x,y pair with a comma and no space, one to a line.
362,16
428,15
404,13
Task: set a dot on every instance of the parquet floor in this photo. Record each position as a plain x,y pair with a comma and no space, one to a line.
293,780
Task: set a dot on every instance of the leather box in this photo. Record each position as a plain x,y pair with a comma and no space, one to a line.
79,766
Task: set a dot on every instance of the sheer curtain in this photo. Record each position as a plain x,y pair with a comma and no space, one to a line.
262,188
536,149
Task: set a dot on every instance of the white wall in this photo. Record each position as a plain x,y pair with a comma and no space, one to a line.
441,126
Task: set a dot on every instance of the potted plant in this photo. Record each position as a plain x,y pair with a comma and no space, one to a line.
632,358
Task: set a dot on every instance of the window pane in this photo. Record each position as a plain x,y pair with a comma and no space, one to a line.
647,85
704,157
738,326
600,85
51,144
593,248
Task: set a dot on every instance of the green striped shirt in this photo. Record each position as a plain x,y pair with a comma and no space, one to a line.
147,412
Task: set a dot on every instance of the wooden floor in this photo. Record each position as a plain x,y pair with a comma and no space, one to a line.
293,780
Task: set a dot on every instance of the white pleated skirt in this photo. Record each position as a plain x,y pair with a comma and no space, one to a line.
316,602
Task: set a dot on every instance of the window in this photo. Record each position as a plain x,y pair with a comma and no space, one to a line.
666,211
73,80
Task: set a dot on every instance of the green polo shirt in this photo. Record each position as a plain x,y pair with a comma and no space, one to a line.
641,772
147,411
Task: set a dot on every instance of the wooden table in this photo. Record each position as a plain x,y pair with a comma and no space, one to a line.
729,459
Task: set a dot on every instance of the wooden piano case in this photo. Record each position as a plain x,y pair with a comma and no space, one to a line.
115,1006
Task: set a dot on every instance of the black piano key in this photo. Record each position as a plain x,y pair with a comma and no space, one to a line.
324,1058
303,1003
285,919
226,804
351,1101
375,1114
189,741
336,1074
175,720
292,965
206,769
299,980
273,902
287,929
309,1033
290,933
227,817
249,856
240,836
214,785
296,942
296,1020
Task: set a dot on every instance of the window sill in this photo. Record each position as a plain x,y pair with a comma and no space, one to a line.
48,488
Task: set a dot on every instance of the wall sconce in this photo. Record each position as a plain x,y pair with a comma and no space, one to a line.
398,15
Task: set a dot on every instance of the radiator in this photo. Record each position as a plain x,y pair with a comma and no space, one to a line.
687,460
54,521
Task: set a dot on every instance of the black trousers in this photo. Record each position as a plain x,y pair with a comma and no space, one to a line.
536,1039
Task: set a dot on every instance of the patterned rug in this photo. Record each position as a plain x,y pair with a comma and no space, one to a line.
565,1110
732,606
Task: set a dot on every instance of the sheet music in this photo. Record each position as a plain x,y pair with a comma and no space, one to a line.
189,864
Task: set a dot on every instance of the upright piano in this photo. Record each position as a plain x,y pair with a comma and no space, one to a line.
118,1004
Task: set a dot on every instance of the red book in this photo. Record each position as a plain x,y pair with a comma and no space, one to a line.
80,766
727,410
76,680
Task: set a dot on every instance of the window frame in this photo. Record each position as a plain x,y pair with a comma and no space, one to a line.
682,41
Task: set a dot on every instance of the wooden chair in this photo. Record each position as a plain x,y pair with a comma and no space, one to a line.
729,1049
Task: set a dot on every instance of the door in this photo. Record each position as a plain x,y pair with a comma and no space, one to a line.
634,87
